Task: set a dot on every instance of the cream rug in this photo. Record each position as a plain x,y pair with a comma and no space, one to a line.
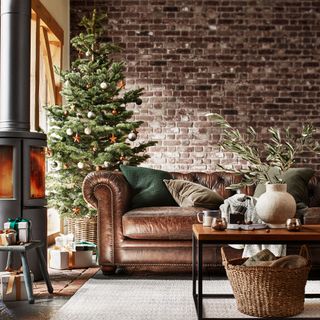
148,299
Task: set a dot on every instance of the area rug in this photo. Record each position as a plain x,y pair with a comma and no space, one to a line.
150,299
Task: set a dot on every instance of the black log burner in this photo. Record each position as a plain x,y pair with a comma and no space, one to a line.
22,152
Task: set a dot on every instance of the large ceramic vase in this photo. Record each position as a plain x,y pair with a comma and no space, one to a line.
276,205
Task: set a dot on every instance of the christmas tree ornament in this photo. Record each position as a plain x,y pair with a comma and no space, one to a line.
67,84
113,138
69,132
76,210
89,85
114,112
106,164
121,84
48,152
132,136
88,53
65,166
98,168
87,130
103,85
122,158
76,138
90,115
94,149
72,107
139,101
54,165
65,113
80,165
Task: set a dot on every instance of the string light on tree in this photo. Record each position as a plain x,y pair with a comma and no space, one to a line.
114,112
88,53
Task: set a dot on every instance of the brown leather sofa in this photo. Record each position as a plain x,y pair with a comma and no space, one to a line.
159,238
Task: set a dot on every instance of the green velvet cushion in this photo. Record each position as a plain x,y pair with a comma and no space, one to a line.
190,194
148,187
297,180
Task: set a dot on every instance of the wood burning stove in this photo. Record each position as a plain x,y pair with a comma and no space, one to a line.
22,153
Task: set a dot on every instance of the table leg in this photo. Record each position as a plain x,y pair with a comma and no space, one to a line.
194,264
27,277
200,299
9,261
44,270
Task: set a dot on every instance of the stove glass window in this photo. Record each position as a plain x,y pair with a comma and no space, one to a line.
37,172
6,172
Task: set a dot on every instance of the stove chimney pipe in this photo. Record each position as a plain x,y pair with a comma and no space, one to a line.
15,65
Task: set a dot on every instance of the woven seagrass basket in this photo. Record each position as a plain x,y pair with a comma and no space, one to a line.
84,229
263,291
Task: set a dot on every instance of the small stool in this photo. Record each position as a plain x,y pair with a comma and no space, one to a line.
22,249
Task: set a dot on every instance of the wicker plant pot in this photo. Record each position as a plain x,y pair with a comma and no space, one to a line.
262,291
84,229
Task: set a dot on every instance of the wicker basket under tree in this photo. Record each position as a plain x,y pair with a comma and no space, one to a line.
84,229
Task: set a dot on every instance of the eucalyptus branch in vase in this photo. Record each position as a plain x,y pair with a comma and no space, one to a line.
280,151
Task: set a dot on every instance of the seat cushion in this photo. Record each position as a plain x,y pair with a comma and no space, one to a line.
162,223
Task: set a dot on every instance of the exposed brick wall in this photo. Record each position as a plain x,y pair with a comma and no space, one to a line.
256,62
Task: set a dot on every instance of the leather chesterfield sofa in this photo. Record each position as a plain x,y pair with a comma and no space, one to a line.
158,239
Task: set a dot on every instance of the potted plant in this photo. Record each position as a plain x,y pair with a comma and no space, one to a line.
276,155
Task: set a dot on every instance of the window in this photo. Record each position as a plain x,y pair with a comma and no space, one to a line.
46,54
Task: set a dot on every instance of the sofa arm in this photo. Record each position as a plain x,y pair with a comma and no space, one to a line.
109,192
312,216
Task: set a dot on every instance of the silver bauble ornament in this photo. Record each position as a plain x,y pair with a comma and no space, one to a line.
132,136
69,132
54,165
90,115
87,130
103,85
80,165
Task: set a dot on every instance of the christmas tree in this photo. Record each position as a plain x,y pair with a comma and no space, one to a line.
92,129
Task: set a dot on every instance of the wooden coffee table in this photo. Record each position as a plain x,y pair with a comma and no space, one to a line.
309,234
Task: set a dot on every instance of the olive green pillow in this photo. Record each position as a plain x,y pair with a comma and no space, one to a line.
190,194
297,180
148,187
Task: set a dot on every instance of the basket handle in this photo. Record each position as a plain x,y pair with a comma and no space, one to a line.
304,252
223,256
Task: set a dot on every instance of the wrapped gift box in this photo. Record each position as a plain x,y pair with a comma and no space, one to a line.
61,258
23,230
12,286
8,237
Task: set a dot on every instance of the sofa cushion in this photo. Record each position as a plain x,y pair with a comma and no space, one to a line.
162,223
148,186
297,180
190,194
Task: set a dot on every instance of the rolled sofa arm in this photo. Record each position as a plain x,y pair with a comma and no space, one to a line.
109,192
